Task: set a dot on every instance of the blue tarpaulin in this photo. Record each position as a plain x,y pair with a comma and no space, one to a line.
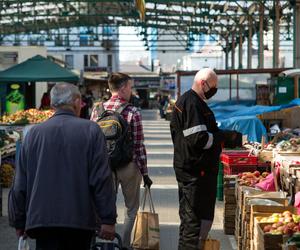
243,118
247,125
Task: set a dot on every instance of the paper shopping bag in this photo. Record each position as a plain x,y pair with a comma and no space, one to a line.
23,243
211,244
146,227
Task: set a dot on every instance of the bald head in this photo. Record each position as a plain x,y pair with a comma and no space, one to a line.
208,75
204,80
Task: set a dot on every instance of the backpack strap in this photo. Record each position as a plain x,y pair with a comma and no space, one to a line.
99,108
122,107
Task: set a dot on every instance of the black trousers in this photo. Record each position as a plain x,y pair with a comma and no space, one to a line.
196,202
61,238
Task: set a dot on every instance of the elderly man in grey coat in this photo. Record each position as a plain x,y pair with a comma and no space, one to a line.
63,184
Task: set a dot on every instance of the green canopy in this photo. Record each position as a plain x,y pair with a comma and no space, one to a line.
37,69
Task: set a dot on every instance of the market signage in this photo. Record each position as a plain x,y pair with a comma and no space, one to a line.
15,100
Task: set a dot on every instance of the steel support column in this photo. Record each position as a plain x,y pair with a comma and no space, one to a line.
240,49
233,50
237,88
226,53
249,64
261,36
296,46
276,34
297,34
178,78
296,86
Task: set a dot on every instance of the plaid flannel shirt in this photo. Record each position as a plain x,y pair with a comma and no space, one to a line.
134,119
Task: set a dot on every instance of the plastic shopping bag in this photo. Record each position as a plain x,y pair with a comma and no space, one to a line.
268,184
23,243
297,202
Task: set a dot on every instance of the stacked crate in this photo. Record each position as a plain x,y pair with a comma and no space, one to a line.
255,225
245,219
238,216
237,162
246,214
241,192
229,204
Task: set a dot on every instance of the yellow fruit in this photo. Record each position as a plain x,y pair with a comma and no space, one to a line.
6,174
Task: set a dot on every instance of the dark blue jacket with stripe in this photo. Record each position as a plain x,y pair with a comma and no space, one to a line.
196,137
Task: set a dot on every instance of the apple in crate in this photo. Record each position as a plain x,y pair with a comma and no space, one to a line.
256,173
267,228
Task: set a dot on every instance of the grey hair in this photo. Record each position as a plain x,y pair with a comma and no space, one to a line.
64,94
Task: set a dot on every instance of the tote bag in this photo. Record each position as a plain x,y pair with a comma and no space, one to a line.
146,227
211,244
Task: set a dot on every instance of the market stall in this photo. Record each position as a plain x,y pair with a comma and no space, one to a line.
14,123
260,193
12,129
34,70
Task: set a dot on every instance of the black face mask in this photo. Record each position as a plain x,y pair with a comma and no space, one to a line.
211,92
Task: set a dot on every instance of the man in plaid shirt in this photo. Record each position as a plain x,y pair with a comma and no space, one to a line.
128,177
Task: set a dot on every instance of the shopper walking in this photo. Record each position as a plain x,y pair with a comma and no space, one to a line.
63,183
130,175
197,147
45,101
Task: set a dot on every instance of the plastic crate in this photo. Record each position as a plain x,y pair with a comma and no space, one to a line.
236,169
238,158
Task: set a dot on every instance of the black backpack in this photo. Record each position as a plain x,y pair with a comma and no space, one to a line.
119,140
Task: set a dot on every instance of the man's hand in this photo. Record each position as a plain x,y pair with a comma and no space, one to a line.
147,181
20,232
107,232
232,139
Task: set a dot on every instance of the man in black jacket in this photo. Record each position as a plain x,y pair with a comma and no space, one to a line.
63,184
197,147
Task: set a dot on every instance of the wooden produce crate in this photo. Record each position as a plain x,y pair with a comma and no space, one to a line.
265,241
229,204
246,214
264,211
241,191
290,117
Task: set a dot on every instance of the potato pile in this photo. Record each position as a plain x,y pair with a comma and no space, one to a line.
250,179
